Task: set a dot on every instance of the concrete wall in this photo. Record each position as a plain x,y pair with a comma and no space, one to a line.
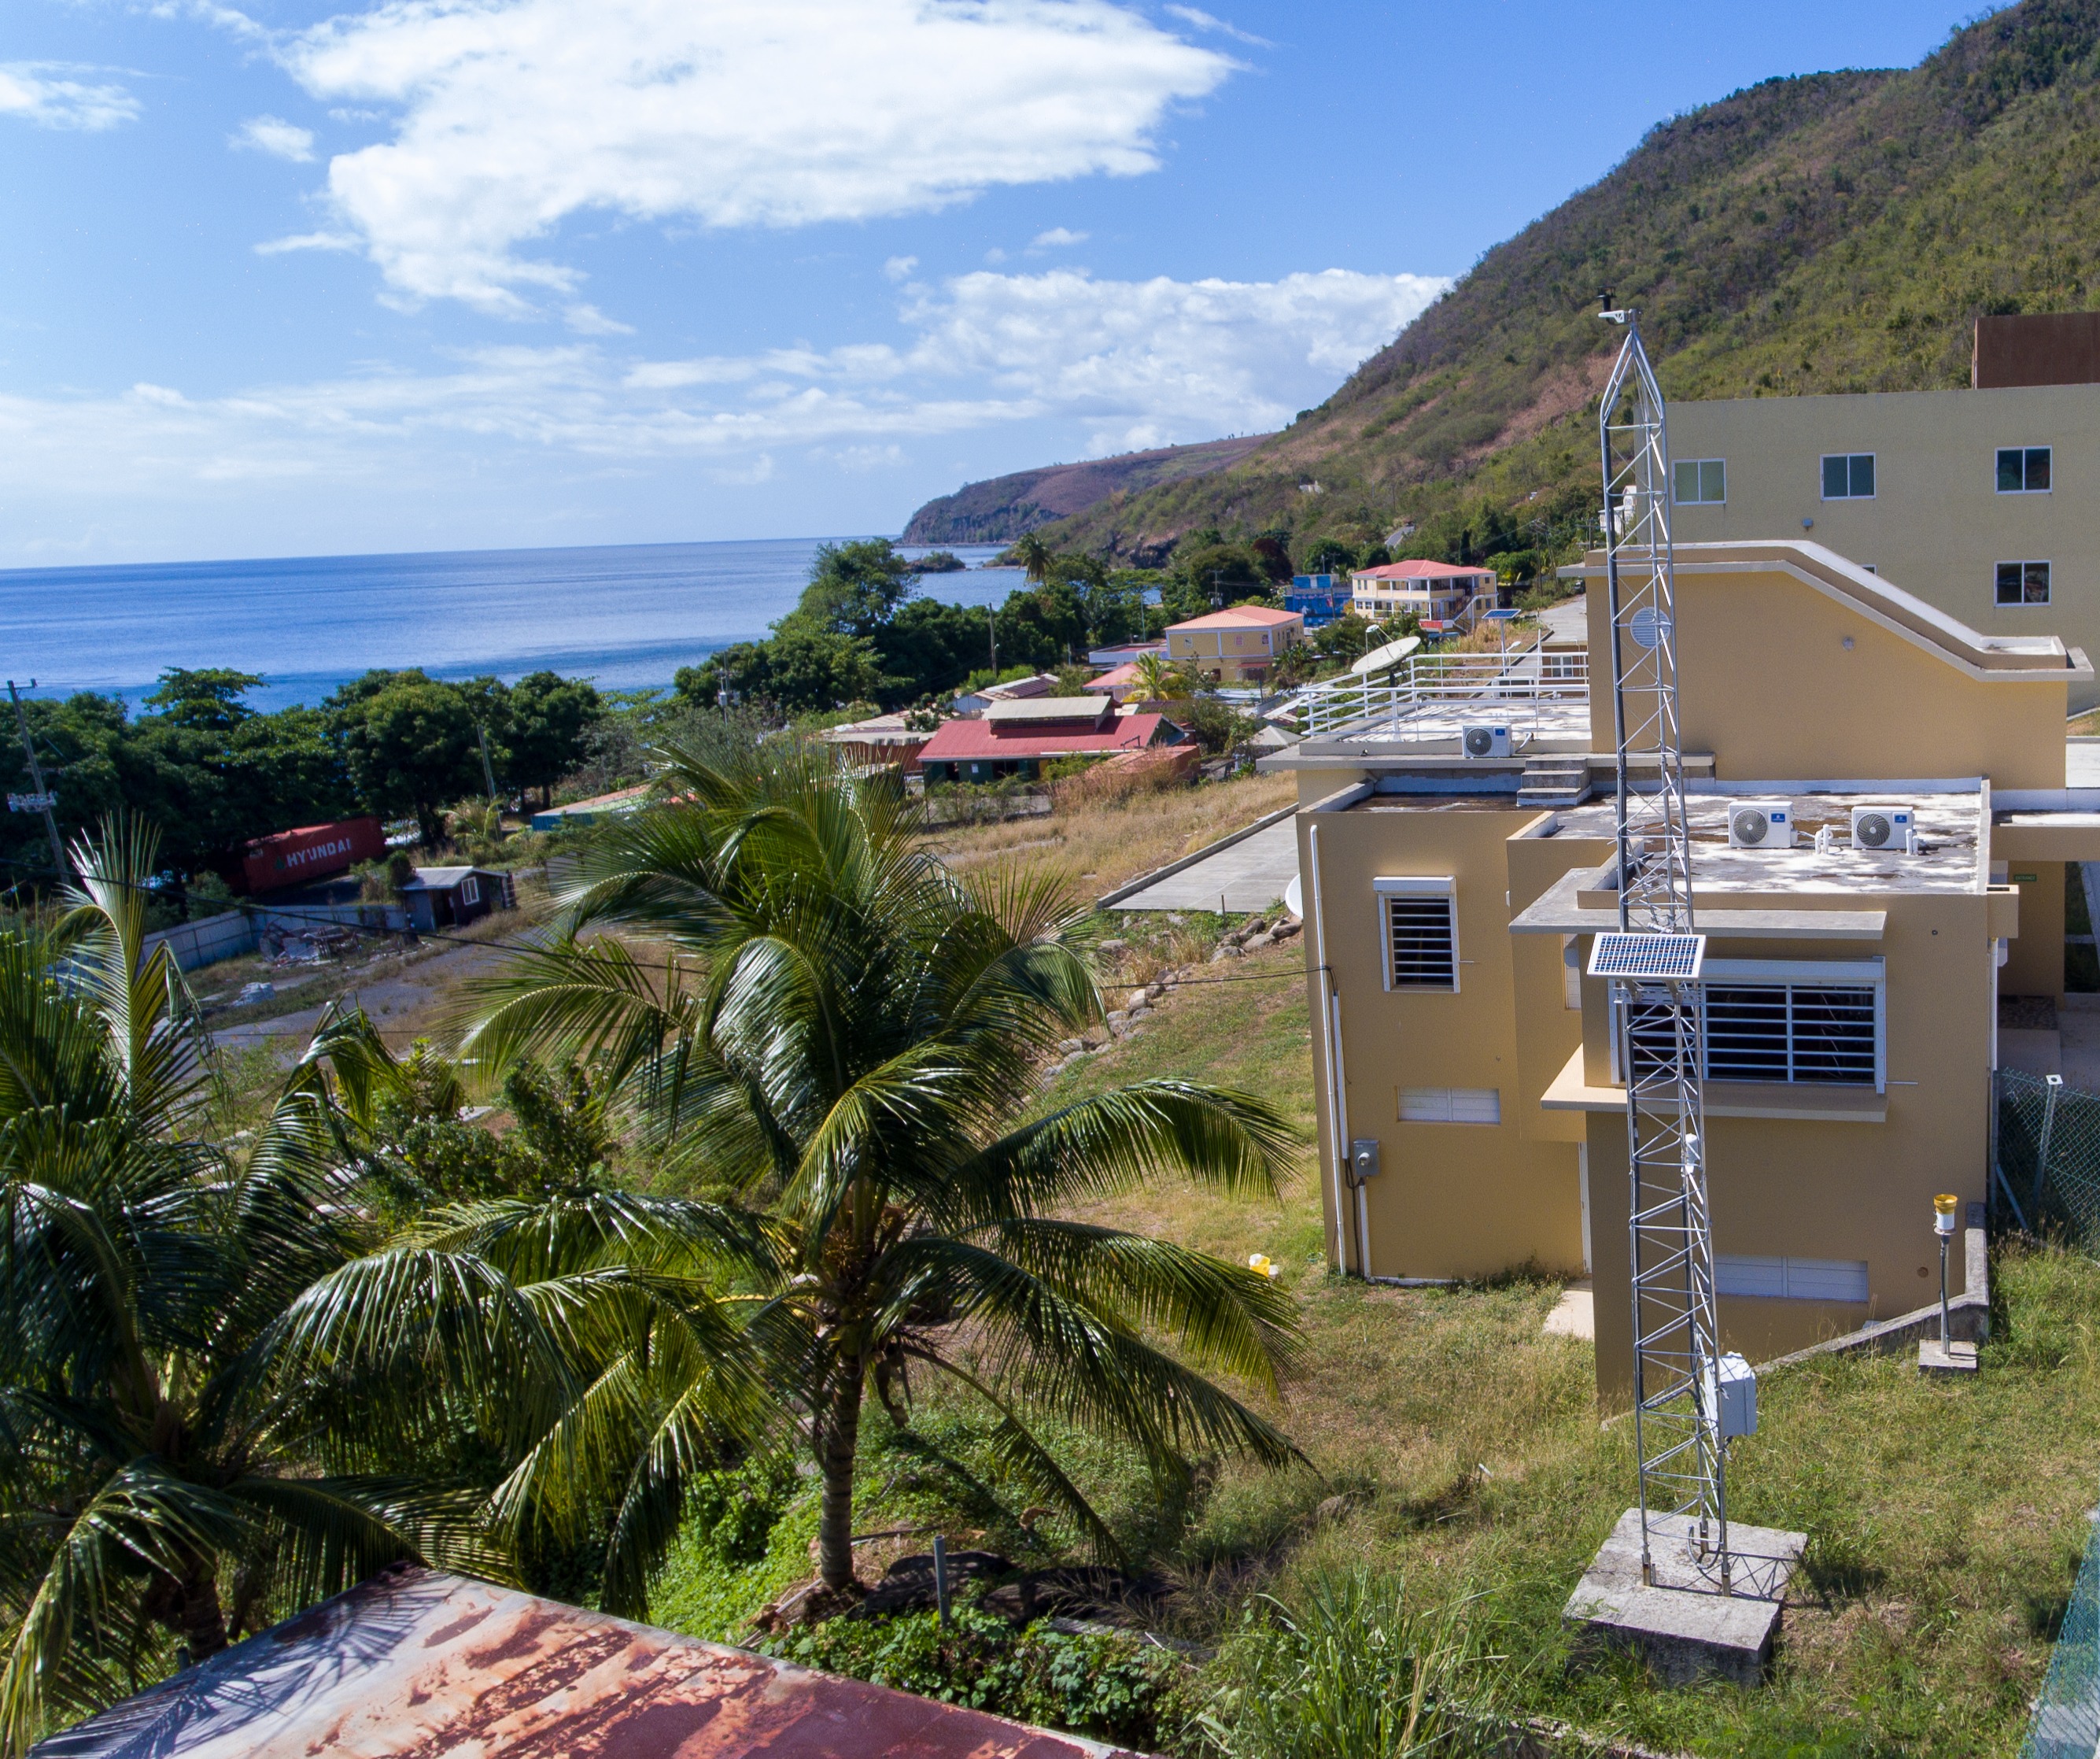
1937,525
1451,1200
1821,1189
206,941
1768,685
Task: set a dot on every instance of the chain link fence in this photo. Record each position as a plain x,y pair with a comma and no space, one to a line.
2045,1157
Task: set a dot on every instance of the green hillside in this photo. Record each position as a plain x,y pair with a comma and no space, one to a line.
1836,232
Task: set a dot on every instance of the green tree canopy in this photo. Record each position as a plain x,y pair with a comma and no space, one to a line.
548,728
411,744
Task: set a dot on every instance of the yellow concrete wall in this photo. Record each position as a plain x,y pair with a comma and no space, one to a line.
2034,961
1452,1200
1937,525
1548,1032
1836,1190
1767,684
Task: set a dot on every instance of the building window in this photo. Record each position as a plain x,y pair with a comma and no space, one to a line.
2022,583
1821,1022
470,889
1419,939
1848,476
1701,480
1450,1105
2023,469
1788,1279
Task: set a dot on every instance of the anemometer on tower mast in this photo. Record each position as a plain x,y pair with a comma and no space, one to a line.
1654,963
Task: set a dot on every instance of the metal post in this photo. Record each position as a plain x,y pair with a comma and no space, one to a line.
37,781
1944,1333
488,774
940,1575
2055,1086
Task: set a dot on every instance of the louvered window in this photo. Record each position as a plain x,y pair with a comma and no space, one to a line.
1420,923
1816,1022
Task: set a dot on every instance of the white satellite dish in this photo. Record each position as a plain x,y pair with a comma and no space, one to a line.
1294,898
1390,654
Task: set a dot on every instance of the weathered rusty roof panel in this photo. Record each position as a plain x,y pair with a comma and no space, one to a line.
415,1665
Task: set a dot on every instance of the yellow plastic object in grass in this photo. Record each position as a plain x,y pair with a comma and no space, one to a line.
1260,1261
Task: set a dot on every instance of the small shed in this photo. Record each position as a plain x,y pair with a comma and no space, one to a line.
452,897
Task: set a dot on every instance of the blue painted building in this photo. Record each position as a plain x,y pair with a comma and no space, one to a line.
1317,598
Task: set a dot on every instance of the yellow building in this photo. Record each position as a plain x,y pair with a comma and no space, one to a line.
1983,502
1456,855
1234,647
1435,592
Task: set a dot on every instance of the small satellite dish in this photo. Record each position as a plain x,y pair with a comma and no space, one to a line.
1379,659
1294,897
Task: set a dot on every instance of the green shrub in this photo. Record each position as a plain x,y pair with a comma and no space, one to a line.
1112,1684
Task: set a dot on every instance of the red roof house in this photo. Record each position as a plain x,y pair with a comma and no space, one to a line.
1019,738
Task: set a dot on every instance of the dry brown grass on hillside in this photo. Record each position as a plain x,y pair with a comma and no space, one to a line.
1099,846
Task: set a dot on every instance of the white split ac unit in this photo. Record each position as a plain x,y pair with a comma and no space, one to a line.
1485,741
1884,829
1761,825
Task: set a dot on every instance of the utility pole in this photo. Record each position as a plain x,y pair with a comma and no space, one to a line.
43,797
991,623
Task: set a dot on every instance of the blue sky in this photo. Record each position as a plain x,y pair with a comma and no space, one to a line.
440,274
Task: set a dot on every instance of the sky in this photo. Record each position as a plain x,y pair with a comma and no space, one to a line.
283,280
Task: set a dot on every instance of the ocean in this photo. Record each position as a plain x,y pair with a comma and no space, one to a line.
627,616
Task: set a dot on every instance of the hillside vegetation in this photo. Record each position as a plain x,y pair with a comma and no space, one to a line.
1834,232
1002,508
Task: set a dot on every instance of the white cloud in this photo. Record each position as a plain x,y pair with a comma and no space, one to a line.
515,114
1202,20
39,92
900,268
1128,362
278,247
587,320
274,135
1057,238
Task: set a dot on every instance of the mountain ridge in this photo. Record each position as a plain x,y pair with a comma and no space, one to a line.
1822,233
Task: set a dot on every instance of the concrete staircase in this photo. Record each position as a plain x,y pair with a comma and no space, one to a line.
1555,781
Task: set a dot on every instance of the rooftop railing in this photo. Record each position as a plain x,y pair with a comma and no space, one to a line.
1429,696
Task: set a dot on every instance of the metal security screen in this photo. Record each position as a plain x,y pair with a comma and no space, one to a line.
1422,943
1791,1032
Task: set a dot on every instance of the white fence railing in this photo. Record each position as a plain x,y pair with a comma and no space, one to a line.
1427,695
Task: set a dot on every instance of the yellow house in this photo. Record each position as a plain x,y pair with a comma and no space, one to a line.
1434,591
1864,773
1983,502
1234,647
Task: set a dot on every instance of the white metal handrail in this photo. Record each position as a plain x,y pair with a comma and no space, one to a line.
1419,699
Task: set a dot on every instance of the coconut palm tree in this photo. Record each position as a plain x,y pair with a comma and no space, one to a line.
163,1486
843,1035
1034,556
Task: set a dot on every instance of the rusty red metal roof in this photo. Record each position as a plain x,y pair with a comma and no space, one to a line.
961,741
415,1665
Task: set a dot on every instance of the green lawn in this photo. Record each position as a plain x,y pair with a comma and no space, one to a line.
1451,1442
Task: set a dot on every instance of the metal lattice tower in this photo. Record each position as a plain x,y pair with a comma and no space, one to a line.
1654,965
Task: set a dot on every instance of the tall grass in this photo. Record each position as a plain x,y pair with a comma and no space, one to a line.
1355,1670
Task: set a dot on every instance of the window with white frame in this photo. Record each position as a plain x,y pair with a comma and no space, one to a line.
1450,1105
2022,583
1418,932
470,889
1811,1021
1848,476
1700,481
1785,1278
2023,469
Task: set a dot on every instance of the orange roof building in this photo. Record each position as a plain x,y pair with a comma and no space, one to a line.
1234,647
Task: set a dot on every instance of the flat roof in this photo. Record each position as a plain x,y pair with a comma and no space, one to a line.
1947,828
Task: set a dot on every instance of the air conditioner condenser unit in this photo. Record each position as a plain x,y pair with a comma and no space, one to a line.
1890,830
1485,741
1761,825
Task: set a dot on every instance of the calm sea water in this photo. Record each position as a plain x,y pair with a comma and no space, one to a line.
628,617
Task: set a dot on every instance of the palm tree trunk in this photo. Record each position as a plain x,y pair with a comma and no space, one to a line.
841,1438
201,1623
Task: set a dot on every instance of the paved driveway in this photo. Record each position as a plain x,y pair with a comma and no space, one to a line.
1250,875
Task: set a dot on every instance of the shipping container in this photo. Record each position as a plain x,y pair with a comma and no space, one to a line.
311,852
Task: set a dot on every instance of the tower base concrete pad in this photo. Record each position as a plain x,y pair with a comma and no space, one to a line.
1684,1626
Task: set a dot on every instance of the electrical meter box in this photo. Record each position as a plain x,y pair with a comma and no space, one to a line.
1734,1397
1364,1157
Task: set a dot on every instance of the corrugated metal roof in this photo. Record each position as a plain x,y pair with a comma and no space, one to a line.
966,740
1084,710
1435,571
414,1664
1240,616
